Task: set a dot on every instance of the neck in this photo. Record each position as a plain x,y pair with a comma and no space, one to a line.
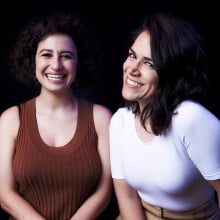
54,102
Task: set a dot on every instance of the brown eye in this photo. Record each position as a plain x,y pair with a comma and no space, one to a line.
131,55
66,56
47,55
150,64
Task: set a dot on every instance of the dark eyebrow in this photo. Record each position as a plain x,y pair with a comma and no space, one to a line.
45,50
63,51
146,58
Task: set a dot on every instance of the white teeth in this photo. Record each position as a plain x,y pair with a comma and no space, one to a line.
132,83
52,76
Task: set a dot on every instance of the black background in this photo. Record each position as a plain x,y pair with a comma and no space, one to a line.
110,23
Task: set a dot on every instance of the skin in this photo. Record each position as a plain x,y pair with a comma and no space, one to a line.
216,186
56,113
139,76
140,82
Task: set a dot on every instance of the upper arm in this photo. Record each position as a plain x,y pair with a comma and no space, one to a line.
9,124
102,118
128,200
123,190
216,186
199,131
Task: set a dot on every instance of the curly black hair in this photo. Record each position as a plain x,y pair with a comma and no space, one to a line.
180,61
22,58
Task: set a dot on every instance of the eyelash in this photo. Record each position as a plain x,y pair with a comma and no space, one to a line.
148,63
130,54
48,55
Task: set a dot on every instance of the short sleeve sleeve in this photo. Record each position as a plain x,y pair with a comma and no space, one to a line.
115,157
202,138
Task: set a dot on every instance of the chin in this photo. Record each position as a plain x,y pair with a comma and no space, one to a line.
128,98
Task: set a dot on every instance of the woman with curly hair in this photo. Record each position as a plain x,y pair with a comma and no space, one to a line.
54,150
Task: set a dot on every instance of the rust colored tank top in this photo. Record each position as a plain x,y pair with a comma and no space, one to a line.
56,180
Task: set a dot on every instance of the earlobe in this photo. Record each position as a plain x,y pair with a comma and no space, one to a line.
75,83
35,80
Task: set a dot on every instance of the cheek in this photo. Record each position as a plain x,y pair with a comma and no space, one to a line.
72,68
152,77
124,68
40,64
125,65
71,65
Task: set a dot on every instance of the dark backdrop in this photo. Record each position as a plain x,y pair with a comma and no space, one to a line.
110,23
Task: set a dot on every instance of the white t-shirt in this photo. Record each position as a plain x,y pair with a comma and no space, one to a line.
171,170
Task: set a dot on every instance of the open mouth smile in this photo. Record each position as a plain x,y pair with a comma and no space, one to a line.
133,83
55,76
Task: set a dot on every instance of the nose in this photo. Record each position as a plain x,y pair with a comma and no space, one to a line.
134,68
56,63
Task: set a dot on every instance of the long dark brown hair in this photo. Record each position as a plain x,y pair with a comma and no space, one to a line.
180,62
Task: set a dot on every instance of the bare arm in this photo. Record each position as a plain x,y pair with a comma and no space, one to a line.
128,201
216,185
96,203
10,199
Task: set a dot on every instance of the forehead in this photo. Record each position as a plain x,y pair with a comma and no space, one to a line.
142,43
57,42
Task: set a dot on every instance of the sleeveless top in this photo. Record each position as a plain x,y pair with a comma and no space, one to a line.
56,180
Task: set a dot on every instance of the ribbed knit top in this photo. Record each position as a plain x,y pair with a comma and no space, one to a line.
56,180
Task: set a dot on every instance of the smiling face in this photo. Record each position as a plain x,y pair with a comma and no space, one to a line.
56,62
140,78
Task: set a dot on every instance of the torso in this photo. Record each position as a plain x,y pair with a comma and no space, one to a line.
59,178
162,168
145,136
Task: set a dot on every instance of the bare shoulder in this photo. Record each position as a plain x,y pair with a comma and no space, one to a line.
102,116
10,114
101,111
9,119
